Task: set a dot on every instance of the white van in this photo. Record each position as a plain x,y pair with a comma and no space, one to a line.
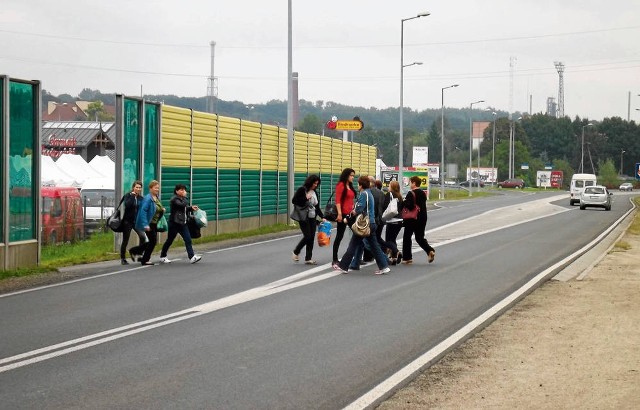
578,183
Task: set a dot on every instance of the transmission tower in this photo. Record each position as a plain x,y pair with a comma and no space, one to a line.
212,83
560,68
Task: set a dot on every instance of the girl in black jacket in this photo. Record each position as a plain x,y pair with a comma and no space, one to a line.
131,200
306,198
178,224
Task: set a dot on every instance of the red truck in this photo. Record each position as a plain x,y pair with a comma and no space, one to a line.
62,217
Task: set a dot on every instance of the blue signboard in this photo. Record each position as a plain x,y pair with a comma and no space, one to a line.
638,170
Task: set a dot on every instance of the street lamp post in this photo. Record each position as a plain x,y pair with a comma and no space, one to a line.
442,143
512,147
471,142
493,150
622,161
402,66
582,148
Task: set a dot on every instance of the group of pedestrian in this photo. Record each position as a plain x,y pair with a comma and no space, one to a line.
369,200
142,214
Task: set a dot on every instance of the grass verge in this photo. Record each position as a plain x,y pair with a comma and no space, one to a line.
100,248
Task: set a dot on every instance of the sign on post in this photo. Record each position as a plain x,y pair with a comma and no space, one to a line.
345,125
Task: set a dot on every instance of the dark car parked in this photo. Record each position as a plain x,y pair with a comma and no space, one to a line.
511,183
474,182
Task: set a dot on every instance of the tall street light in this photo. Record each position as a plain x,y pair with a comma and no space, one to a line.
402,66
442,143
622,161
512,148
493,151
582,148
471,141
290,139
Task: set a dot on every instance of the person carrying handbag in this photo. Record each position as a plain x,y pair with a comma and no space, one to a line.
179,206
345,197
150,211
365,205
306,200
393,225
415,197
131,201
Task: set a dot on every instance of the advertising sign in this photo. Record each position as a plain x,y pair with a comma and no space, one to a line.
420,156
544,179
557,179
391,174
488,175
549,179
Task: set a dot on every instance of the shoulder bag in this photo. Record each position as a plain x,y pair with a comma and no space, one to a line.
411,213
114,222
361,227
392,210
331,210
299,213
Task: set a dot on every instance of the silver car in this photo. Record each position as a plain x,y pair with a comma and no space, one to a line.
597,196
627,186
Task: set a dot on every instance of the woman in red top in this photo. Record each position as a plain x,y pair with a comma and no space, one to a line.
345,196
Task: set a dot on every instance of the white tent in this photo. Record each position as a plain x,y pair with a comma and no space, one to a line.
76,166
52,175
104,165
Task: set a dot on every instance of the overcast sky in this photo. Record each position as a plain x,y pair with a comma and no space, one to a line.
345,51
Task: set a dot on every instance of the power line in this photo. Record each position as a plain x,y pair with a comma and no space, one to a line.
448,76
182,45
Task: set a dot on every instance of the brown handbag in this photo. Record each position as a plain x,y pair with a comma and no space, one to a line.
411,213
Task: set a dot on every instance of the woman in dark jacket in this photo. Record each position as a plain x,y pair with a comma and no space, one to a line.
416,226
306,198
179,206
131,201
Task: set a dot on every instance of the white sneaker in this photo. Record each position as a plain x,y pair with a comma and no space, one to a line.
165,260
195,258
383,271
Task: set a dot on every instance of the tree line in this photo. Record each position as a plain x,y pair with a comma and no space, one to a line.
611,146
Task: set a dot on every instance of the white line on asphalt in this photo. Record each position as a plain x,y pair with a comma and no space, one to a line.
68,282
75,345
278,286
375,395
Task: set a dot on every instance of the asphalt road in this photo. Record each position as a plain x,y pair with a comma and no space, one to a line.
248,328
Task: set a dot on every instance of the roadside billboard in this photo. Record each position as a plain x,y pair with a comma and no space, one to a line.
488,175
391,174
549,179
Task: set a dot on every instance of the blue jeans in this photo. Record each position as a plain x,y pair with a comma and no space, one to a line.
174,230
356,247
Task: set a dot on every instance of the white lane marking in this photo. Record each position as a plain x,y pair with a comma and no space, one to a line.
379,392
75,345
68,282
278,286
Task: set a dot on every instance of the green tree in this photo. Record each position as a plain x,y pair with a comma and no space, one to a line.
96,112
607,174
311,124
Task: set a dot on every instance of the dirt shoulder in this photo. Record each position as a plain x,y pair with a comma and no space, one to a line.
567,345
